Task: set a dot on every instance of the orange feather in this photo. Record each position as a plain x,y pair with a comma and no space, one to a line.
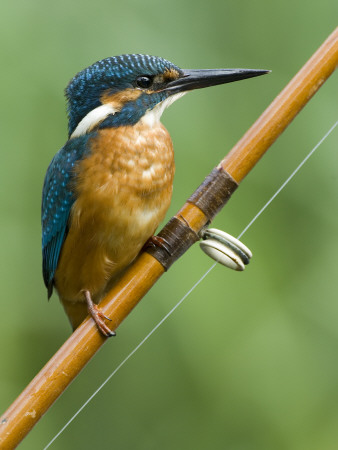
123,191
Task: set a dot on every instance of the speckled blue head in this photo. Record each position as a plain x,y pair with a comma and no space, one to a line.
113,75
120,90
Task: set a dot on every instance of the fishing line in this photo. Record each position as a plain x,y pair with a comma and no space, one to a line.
190,290
288,179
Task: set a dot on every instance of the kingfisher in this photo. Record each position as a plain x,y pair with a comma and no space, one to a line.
108,188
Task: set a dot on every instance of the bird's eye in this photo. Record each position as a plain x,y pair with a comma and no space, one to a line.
144,81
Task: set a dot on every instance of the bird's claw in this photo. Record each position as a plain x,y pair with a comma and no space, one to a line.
98,316
158,241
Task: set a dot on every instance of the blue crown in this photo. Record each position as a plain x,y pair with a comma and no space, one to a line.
112,74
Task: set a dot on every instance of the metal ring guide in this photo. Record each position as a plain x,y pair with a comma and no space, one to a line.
225,249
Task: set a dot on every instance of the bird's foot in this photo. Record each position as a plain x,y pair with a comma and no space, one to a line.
157,241
98,316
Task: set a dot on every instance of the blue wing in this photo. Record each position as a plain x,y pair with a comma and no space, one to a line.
57,200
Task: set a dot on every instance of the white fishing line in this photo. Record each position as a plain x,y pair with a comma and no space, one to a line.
289,179
190,290
129,356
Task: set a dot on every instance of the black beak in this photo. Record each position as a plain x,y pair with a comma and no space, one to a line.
197,79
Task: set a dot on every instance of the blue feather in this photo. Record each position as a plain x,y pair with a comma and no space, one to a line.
58,197
113,74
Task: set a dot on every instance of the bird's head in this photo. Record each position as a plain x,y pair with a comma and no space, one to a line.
121,90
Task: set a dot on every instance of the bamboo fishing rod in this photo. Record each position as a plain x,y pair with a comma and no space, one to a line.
180,233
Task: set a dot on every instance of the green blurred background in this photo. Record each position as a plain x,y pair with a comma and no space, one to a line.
250,360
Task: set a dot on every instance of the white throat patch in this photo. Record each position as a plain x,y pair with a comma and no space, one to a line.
153,116
92,119
97,115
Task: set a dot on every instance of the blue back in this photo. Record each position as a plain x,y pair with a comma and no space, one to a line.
57,199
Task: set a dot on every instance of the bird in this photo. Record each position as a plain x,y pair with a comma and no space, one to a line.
108,188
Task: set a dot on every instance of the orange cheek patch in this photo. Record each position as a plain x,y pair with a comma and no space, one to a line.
118,99
170,74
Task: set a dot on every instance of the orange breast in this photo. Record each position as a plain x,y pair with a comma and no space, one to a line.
123,192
